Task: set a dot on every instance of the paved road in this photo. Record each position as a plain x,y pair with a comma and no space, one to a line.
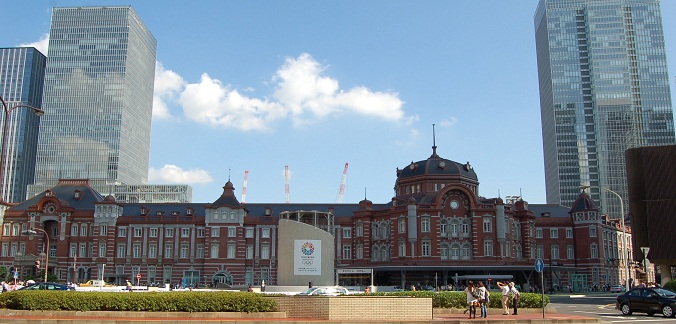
601,306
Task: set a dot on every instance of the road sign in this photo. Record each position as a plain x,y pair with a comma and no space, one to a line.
138,276
539,265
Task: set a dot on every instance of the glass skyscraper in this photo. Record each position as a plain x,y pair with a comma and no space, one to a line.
98,99
22,74
604,88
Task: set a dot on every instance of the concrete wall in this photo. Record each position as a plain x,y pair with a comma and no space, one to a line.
353,308
289,231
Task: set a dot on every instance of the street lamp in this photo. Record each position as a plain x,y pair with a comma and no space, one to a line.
624,231
8,110
34,231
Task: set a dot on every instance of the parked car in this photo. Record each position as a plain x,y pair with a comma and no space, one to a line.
647,300
325,291
617,288
46,286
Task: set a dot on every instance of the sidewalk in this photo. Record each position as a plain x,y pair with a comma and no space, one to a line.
53,317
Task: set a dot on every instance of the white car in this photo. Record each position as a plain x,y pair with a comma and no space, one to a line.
324,291
617,288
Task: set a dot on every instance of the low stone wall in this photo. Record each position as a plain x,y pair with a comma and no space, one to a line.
117,314
377,308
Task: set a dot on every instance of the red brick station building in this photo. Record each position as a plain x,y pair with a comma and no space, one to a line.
436,231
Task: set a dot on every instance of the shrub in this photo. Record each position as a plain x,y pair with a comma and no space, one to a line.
671,285
150,301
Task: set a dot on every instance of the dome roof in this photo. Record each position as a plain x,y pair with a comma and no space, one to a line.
436,165
583,203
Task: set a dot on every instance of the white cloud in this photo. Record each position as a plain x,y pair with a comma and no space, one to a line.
411,139
170,173
301,93
449,122
168,84
42,44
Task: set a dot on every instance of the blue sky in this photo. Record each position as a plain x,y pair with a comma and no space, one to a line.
257,85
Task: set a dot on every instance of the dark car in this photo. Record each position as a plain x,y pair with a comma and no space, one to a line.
46,286
647,300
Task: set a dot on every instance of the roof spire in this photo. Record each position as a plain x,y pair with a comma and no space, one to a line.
434,144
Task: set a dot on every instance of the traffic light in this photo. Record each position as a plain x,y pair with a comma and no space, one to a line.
37,264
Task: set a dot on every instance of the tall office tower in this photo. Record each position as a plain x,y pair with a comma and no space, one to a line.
97,100
22,74
604,88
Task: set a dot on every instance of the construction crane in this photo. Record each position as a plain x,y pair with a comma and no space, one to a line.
286,183
246,179
341,190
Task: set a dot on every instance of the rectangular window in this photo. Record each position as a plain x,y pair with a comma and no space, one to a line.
102,250
594,251
231,250
592,231
265,251
232,231
465,229
122,232
214,251
554,233
200,251
569,233
121,250
71,253
169,250
153,232
16,232
488,248
347,232
152,251
184,251
169,232
425,225
5,249
555,252
347,252
249,233
249,251
538,232
570,252
360,251
84,230
136,250
402,225
426,248
5,230
200,232
215,231
488,224
103,230
73,229
360,230
185,232
540,254
402,249
265,233
138,232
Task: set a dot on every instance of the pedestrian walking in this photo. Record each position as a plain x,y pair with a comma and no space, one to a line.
504,289
129,288
484,299
515,297
472,299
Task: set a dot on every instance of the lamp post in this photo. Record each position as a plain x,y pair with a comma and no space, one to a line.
624,232
34,231
8,110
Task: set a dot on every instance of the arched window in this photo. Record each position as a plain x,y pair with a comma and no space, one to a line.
466,251
454,228
465,227
455,251
444,251
443,227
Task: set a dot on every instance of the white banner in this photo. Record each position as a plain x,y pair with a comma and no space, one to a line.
307,257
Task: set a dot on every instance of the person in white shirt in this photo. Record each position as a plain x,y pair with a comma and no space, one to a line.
472,300
504,288
483,299
515,297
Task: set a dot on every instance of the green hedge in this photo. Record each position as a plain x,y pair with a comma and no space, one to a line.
670,285
458,299
150,301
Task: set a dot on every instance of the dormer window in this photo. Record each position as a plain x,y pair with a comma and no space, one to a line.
159,213
190,211
49,193
144,211
78,194
268,211
174,213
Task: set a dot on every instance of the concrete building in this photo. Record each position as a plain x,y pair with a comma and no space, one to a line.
437,231
604,88
97,99
22,74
